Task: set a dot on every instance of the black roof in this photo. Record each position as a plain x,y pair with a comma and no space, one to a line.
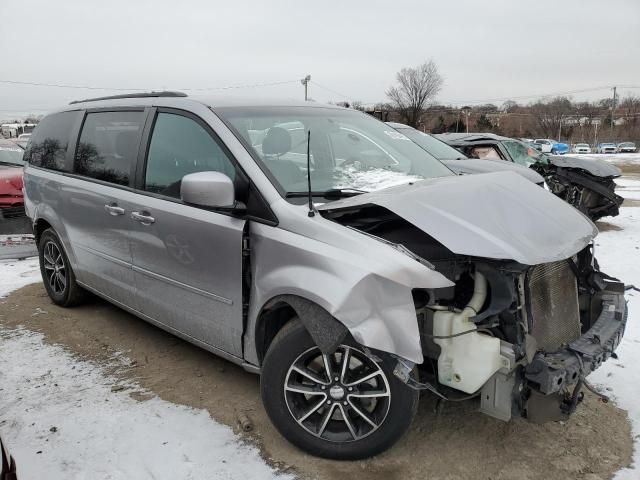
469,138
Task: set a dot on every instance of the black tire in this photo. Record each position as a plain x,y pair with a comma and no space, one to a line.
339,439
57,274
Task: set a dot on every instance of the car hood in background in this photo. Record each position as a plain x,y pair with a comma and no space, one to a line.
471,166
594,166
10,175
497,215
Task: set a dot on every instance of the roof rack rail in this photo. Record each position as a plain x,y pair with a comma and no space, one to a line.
132,95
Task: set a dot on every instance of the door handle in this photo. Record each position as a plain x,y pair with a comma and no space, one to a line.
142,218
114,209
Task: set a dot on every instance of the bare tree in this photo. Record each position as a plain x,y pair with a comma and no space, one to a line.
416,87
509,106
551,115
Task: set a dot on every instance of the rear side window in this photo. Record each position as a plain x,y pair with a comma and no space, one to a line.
108,146
179,146
48,145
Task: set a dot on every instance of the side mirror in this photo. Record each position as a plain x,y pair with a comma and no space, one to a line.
208,189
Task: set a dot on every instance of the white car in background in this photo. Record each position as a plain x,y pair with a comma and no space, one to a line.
606,148
581,148
626,147
544,144
23,139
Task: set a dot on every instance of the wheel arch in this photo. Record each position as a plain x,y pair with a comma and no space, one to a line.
39,226
46,217
327,332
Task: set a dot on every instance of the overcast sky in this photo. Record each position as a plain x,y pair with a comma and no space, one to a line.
490,49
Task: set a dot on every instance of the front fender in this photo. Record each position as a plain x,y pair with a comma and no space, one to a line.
369,293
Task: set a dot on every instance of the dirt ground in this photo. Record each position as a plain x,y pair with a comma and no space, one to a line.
457,443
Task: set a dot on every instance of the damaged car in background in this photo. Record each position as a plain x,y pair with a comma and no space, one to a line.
586,183
327,252
457,162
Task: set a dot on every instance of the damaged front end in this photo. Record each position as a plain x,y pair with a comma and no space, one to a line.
593,193
523,337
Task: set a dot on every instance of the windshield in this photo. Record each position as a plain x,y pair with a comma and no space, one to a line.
432,145
11,155
348,149
523,154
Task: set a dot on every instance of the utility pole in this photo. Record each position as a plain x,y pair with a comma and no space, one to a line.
467,111
559,129
305,81
613,110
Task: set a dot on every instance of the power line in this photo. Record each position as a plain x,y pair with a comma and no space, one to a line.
58,85
120,89
231,87
330,90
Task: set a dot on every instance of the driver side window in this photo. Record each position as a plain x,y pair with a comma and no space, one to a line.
179,146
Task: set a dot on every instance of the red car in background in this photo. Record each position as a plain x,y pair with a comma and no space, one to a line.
11,166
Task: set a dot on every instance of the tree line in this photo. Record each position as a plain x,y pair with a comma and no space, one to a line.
412,100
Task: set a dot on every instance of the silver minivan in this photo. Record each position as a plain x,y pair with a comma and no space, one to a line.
323,249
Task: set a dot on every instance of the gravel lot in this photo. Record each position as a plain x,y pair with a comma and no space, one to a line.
457,443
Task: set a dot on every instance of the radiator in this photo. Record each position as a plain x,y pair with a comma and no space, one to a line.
552,301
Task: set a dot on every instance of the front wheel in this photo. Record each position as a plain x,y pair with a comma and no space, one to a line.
346,405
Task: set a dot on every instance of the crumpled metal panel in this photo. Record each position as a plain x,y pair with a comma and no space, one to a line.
594,166
360,281
497,215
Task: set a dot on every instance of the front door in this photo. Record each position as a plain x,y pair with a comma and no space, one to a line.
187,261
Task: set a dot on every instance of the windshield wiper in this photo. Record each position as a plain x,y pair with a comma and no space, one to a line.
331,194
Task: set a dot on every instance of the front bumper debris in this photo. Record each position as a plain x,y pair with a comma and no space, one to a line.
550,373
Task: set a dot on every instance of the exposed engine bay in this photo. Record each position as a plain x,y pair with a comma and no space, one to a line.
521,337
593,195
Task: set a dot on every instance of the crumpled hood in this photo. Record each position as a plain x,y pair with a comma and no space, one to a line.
497,215
594,166
472,165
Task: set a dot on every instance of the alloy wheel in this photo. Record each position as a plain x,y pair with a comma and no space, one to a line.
339,397
54,268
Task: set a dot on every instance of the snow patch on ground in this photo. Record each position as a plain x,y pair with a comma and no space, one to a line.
628,188
61,419
15,274
618,252
611,158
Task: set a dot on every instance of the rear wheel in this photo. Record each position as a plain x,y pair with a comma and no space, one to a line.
57,274
344,405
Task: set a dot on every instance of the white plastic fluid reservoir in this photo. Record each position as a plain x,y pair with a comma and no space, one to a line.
466,362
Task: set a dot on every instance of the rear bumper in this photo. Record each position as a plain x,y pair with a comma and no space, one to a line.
12,211
550,373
